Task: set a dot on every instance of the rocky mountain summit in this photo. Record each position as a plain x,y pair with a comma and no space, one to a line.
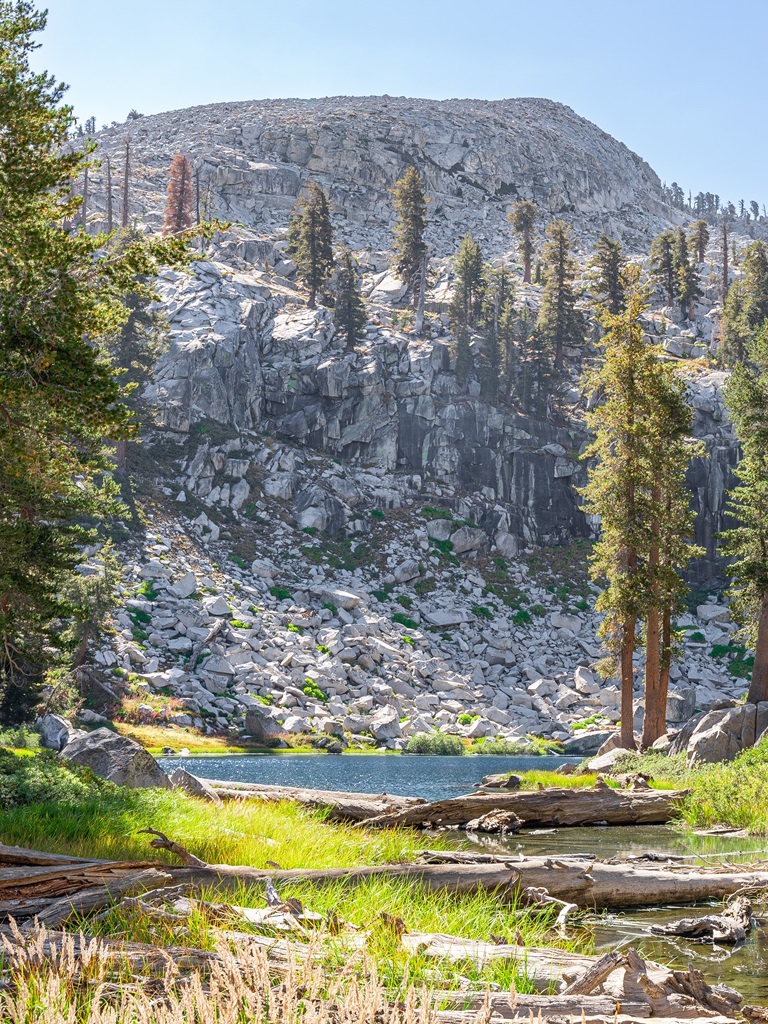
346,542
477,157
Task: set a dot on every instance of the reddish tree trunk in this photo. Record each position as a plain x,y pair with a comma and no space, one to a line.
758,686
627,737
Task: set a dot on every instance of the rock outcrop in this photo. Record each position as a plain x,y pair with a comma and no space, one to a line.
118,759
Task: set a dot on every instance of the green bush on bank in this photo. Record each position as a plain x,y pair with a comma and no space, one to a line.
439,743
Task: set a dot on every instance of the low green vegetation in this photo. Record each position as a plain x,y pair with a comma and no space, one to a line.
403,620
311,689
439,743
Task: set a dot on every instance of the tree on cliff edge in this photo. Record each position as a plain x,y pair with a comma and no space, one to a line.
310,240
180,201
559,323
410,248
522,217
349,313
747,543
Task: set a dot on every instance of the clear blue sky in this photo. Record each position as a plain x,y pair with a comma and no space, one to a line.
680,82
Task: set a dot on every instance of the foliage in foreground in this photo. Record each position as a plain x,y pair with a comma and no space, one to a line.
439,743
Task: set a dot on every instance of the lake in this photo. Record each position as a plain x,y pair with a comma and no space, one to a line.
430,776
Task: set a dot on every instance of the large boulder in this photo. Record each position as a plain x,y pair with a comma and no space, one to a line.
118,759
260,724
56,732
586,744
180,778
385,724
722,735
681,705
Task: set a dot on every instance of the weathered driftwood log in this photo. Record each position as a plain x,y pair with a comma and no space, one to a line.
547,807
730,928
589,884
534,1007
341,806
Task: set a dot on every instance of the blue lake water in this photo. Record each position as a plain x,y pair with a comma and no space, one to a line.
432,777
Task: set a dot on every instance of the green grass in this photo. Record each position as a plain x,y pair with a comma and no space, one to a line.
440,743
533,745
402,619
733,794
67,810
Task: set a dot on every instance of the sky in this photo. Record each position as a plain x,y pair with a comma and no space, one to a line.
682,83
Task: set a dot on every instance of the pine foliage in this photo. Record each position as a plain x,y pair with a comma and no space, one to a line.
522,217
180,200
607,267
410,203
747,542
310,240
560,324
60,397
349,314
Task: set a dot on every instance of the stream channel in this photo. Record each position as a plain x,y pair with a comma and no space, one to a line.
437,778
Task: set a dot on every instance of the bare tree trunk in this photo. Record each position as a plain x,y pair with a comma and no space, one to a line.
758,686
627,737
419,324
126,180
655,717
109,196
120,450
85,199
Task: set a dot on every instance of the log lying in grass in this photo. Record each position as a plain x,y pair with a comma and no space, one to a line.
546,807
589,884
340,806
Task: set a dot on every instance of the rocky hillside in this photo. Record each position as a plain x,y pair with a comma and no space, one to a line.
477,158
348,543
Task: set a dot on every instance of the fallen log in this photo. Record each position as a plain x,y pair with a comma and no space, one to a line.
557,806
729,928
588,884
341,806
533,1007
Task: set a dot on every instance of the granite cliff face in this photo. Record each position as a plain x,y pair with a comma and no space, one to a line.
247,355
477,158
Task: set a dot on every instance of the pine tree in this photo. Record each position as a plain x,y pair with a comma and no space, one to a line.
523,219
310,240
59,396
466,307
746,307
179,204
699,239
108,165
686,276
663,264
671,523
747,543
497,337
411,250
559,323
349,313
637,407
126,185
467,303
608,263
725,283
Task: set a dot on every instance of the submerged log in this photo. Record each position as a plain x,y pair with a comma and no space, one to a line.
557,806
729,928
341,806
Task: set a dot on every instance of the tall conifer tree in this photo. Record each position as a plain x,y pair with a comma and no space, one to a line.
410,203
310,240
180,200
559,324
349,312
607,265
522,217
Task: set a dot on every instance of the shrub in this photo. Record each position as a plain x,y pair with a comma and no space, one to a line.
293,628
238,561
148,590
465,719
44,779
521,617
380,595
403,620
331,608
697,637
239,624
377,513
444,546
430,512
405,601
323,649
311,689
440,743
481,611
538,609
281,593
